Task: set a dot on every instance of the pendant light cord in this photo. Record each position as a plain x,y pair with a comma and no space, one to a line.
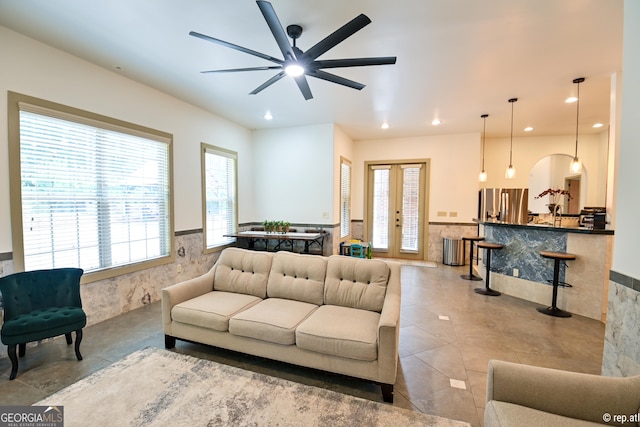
512,100
484,131
577,116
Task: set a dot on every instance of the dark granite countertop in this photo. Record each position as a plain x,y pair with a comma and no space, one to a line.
580,230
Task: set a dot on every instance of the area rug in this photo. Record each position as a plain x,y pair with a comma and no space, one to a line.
155,387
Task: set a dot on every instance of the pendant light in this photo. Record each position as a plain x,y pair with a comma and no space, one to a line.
511,171
576,165
483,174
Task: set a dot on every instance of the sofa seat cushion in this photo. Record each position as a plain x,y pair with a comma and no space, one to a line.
274,320
340,331
499,413
213,309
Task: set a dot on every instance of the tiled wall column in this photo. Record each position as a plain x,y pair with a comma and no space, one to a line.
621,356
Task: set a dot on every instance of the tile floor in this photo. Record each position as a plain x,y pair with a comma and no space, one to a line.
447,337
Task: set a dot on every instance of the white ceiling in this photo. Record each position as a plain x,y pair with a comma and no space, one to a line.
457,59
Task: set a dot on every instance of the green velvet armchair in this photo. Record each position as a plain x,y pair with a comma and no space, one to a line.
41,304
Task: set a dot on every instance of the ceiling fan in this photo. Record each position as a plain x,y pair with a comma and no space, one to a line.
297,63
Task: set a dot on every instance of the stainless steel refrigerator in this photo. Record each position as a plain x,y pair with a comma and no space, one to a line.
508,205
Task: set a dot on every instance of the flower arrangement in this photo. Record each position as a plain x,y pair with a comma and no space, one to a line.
554,193
554,197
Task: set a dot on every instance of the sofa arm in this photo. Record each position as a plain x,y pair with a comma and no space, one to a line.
389,327
570,394
184,291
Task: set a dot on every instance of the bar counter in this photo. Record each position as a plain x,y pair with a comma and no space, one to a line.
519,270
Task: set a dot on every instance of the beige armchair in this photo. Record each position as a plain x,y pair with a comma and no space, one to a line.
521,395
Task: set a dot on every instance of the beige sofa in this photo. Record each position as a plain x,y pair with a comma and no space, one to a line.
337,313
522,395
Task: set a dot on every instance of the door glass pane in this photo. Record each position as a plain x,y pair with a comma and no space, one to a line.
410,208
380,234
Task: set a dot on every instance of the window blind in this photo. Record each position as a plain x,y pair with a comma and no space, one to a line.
94,196
219,196
345,199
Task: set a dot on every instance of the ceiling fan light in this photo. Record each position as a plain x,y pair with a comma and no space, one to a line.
294,70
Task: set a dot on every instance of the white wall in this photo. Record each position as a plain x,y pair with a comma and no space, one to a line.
293,175
527,151
453,178
35,69
625,259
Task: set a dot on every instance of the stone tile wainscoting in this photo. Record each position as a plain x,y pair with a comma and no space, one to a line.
108,298
437,231
621,345
441,230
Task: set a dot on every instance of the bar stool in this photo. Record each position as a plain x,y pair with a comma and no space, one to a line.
471,239
556,257
489,246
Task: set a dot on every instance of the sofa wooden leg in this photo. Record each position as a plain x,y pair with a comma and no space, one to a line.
22,349
14,360
68,338
387,392
169,342
78,341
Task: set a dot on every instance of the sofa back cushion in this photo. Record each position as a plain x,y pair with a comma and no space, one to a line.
356,283
297,277
243,271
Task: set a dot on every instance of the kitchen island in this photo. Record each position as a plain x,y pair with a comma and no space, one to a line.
519,270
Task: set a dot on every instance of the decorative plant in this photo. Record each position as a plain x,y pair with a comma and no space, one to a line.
555,194
276,226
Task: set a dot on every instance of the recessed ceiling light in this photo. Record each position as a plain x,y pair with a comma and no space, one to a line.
570,99
528,129
598,125
435,122
385,125
268,116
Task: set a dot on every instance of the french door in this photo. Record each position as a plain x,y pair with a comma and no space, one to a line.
396,209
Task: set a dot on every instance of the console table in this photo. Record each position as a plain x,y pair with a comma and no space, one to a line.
281,239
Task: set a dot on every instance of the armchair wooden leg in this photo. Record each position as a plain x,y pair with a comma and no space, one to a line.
77,346
14,360
22,349
68,338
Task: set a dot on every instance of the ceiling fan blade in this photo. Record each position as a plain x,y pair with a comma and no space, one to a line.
348,29
268,83
235,70
303,85
236,47
276,29
353,62
319,74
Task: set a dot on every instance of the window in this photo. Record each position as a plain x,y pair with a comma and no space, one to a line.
87,191
219,175
345,198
